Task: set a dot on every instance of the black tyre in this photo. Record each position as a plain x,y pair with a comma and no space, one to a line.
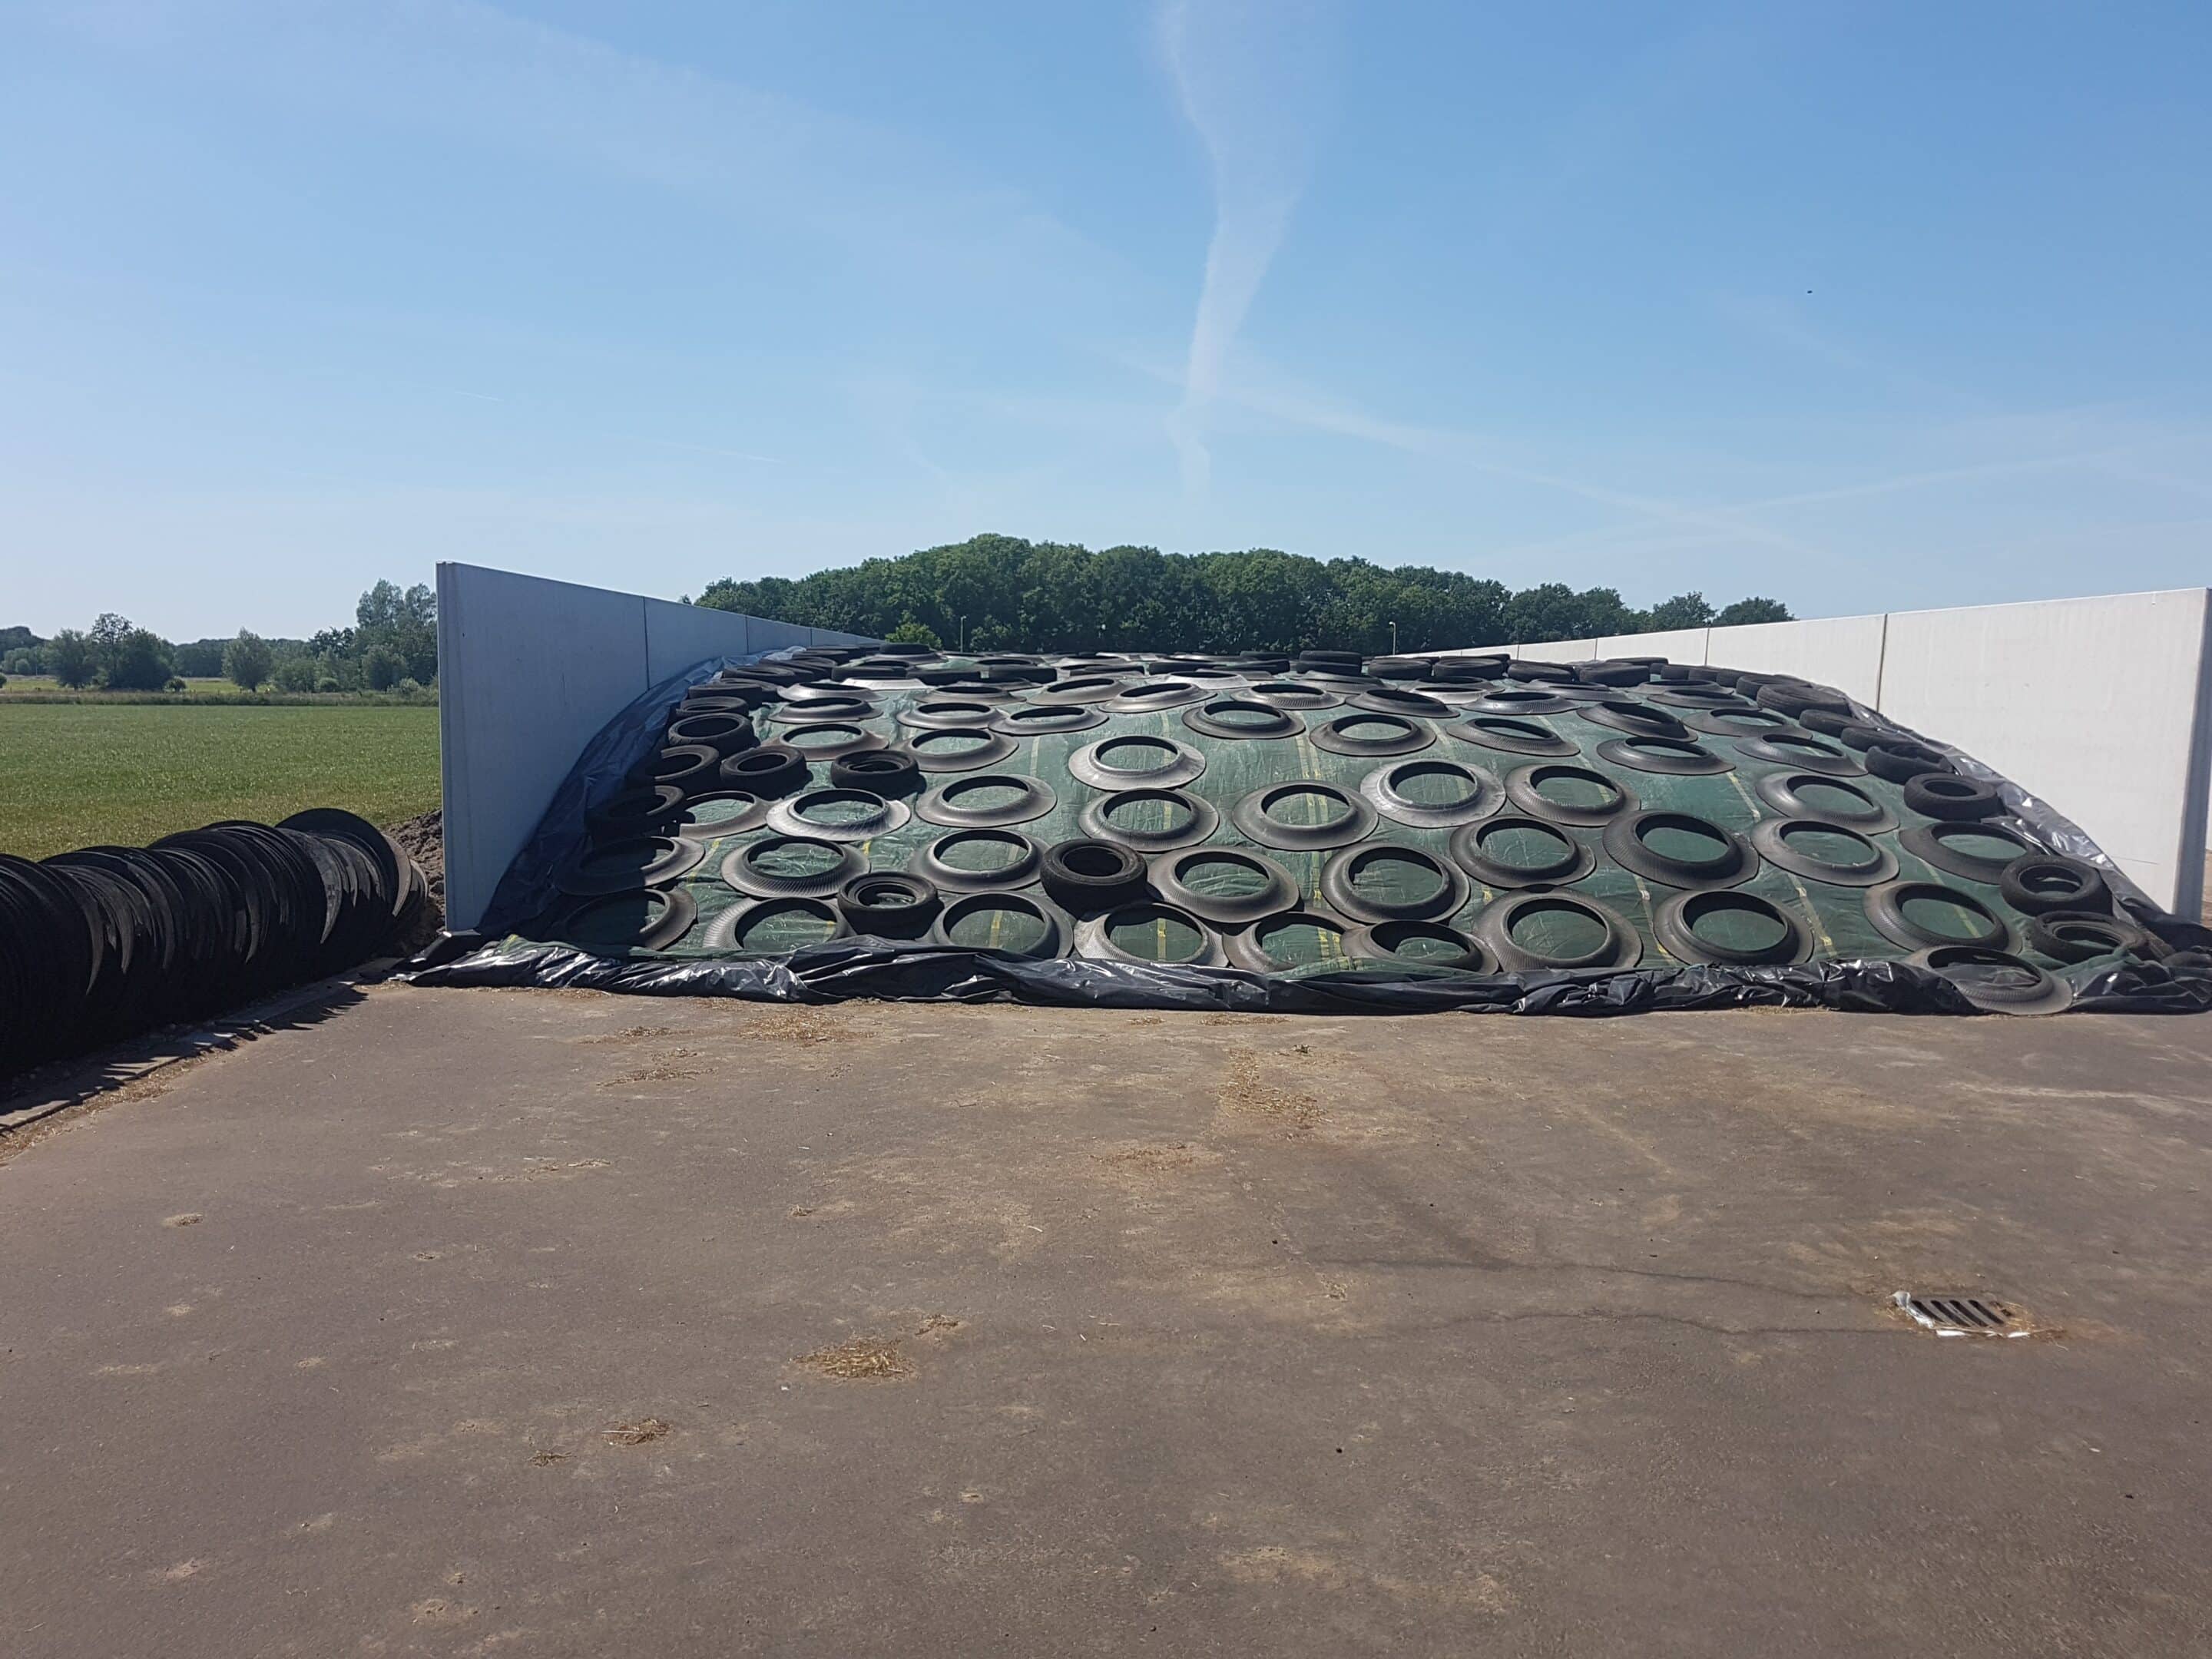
1237,885
1996,981
1002,923
888,904
1527,933
2072,936
1826,721
1429,945
1900,760
2042,882
1954,799
1383,881
1612,673
1854,734
723,733
771,771
1927,915
720,812
687,767
1087,876
1796,697
641,920
626,866
1729,929
886,772
646,812
1158,935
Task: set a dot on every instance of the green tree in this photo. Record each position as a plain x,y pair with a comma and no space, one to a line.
295,674
70,659
402,621
1683,611
139,661
382,667
910,632
246,661
200,660
1754,610
109,630
1003,591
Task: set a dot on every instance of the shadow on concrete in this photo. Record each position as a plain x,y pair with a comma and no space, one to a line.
59,1085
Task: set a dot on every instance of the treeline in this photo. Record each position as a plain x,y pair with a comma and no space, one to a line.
1001,592
391,646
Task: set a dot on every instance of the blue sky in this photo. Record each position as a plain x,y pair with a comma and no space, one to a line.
1864,308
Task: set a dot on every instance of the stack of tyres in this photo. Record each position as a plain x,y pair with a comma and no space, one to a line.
100,943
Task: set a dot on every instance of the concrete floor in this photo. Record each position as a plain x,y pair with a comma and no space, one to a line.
482,1322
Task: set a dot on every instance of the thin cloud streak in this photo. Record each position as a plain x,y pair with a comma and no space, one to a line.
1476,453
1249,78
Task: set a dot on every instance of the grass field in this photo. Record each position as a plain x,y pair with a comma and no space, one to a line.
44,688
75,775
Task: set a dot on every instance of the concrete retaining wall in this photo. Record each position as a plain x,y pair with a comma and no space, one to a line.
2102,706
528,669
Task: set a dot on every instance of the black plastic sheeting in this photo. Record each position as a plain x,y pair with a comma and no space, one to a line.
840,971
528,886
845,969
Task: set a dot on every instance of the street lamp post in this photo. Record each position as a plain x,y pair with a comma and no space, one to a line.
964,635
1393,639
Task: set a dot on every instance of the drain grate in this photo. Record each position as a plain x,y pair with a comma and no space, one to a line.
1961,1315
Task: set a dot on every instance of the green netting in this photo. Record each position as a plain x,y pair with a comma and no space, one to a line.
1557,927
1564,789
1387,876
1953,923
1829,846
993,927
1156,935
987,791
1690,842
1297,807
1220,875
779,856
1149,815
1418,947
1301,944
780,925
1834,915
934,745
807,737
978,850
1432,783
614,921
838,810
701,813
1734,921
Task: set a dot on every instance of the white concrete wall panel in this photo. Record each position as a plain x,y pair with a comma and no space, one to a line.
1684,645
2092,704
1557,651
1845,652
529,671
2103,707
677,636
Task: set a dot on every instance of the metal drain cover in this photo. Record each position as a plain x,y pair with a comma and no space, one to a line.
1947,1314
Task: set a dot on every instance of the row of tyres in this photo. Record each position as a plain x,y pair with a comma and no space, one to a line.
98,944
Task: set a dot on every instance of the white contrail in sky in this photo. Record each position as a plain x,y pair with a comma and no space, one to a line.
1249,76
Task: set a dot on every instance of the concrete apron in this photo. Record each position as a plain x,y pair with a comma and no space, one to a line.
554,1323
